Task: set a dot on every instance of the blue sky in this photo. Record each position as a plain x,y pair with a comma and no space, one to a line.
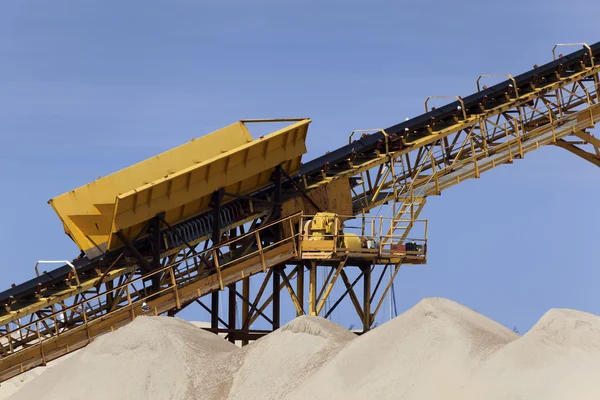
87,88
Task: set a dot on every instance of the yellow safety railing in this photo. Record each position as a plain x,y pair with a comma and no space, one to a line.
377,236
92,322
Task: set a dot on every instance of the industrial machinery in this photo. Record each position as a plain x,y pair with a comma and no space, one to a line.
225,211
324,237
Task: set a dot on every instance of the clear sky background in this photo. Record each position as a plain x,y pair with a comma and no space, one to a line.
87,88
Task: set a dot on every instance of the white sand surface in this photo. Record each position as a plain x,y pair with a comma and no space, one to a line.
275,364
429,352
9,387
559,358
439,349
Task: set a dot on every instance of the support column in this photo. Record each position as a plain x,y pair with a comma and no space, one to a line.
231,306
312,289
214,310
276,298
216,238
245,307
367,298
300,287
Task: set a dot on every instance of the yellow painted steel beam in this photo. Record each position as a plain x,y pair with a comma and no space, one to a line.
171,297
312,289
290,289
594,141
594,159
45,344
54,298
50,299
330,285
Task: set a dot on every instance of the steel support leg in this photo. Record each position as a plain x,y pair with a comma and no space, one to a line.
312,290
232,306
300,287
276,297
216,238
245,306
214,310
367,298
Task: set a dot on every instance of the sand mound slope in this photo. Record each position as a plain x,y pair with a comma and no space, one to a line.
436,350
151,358
428,352
277,363
559,358
9,387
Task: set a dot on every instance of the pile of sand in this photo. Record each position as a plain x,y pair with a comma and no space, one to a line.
277,363
559,358
11,386
429,352
151,358
437,350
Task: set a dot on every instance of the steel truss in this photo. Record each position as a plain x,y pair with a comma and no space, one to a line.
263,248
367,291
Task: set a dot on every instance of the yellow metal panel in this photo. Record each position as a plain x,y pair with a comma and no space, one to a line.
87,212
188,192
335,197
352,241
317,245
178,182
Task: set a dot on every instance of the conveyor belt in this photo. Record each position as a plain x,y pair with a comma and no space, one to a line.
409,130
417,127
83,264
444,147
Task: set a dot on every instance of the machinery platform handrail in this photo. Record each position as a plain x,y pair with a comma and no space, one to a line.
388,239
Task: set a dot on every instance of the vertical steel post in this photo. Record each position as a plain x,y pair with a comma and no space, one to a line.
312,289
216,238
276,297
366,298
232,307
278,235
245,308
214,310
300,287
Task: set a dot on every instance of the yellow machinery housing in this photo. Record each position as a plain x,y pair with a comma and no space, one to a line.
324,233
178,183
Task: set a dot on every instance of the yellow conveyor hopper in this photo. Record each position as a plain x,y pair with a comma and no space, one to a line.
178,182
